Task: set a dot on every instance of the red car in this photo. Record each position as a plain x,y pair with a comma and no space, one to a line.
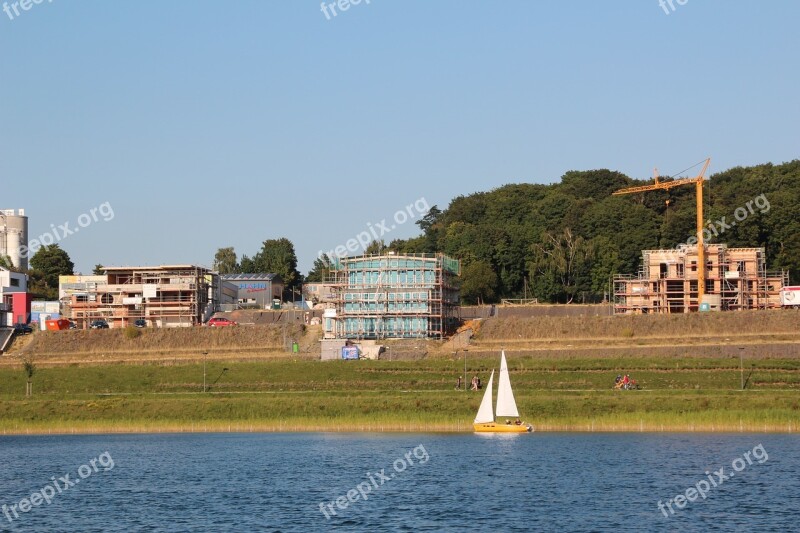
219,321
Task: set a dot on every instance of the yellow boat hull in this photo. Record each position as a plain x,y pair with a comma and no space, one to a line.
494,427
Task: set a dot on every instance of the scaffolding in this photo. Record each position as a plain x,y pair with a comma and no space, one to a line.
164,296
395,296
735,279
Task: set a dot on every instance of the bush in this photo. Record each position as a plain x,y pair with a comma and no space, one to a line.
132,332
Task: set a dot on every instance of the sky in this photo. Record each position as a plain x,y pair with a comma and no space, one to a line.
190,126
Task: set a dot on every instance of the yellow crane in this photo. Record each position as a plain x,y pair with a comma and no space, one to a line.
701,250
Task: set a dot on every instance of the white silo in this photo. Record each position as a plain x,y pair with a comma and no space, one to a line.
14,236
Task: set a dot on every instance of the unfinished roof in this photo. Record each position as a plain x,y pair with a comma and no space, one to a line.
260,276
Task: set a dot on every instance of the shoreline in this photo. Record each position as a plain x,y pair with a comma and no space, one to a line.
387,428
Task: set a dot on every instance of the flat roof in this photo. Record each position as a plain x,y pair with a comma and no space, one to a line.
159,267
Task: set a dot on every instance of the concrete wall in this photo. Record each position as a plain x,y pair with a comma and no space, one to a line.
469,312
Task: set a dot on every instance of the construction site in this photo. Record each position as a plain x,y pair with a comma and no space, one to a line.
697,277
394,296
164,296
735,279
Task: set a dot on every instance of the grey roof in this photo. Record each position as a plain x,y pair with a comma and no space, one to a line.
252,276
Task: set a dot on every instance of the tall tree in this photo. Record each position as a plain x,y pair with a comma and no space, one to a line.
565,259
225,261
51,261
322,268
431,225
478,283
278,256
375,247
98,270
247,265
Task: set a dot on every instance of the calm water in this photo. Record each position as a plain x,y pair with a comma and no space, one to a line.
266,482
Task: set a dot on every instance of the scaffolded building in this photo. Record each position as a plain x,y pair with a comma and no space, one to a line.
395,296
736,278
165,296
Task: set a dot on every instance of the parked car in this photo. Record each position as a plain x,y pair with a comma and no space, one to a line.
22,329
140,323
219,321
73,325
99,324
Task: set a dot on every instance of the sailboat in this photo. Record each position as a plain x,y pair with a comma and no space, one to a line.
506,406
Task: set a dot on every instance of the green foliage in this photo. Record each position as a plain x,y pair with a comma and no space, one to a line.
29,367
278,256
478,283
247,265
98,270
375,247
225,261
564,261
322,268
568,239
132,332
47,264
7,263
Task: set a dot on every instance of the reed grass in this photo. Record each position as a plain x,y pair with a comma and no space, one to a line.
683,394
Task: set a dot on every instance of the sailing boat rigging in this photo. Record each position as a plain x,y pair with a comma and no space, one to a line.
506,406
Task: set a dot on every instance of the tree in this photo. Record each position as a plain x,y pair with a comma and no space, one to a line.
48,263
478,282
277,256
29,367
564,261
375,247
7,263
321,269
431,225
225,261
247,265
98,270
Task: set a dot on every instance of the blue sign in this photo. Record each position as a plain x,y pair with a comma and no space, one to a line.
349,352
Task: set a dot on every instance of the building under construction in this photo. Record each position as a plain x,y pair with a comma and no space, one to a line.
736,278
394,296
164,296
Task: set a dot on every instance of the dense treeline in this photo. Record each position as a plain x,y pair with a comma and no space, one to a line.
563,242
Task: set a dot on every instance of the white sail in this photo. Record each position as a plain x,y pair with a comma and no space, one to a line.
485,412
506,406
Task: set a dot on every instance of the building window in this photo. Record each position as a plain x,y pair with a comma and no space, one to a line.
14,282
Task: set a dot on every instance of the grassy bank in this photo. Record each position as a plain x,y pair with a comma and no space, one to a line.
685,394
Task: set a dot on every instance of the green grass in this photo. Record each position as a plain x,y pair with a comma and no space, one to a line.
681,394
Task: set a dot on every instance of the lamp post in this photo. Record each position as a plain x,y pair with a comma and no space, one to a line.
205,357
465,368
741,364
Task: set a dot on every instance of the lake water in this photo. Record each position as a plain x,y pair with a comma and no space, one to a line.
412,482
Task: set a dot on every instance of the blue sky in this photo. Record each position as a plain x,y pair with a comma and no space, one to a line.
209,124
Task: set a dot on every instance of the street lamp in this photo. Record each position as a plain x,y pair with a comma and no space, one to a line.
205,357
465,368
741,364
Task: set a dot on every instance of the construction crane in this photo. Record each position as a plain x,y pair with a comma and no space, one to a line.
698,183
